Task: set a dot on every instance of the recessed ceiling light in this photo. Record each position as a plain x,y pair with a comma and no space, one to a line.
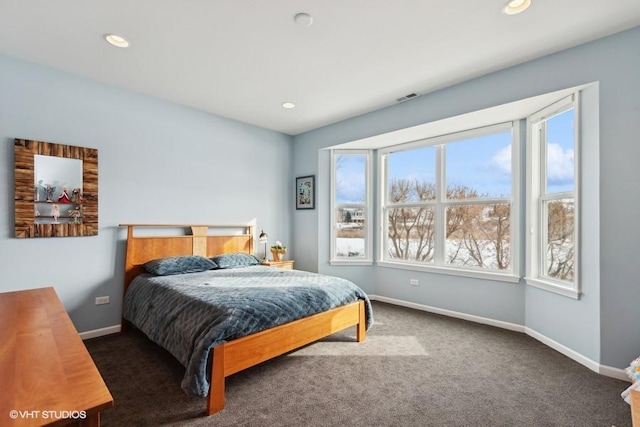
516,6
303,19
116,40
288,105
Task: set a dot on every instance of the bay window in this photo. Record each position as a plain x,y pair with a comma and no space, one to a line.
451,203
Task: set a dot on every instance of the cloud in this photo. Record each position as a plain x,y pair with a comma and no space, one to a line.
502,159
559,163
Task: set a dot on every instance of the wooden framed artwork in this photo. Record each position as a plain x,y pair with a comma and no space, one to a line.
306,192
56,189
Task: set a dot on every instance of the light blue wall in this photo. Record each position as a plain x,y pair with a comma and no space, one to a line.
603,324
158,163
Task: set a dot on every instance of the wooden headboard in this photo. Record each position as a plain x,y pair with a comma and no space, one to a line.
202,240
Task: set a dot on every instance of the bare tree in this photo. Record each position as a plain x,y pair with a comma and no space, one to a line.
560,240
411,229
477,234
483,236
458,215
502,238
339,165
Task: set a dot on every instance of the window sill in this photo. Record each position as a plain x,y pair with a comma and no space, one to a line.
552,287
349,262
501,277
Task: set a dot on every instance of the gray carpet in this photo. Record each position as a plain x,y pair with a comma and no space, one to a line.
414,369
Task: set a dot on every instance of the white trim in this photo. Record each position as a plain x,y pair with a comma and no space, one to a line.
516,198
571,354
532,192
552,287
617,373
450,313
438,269
555,109
347,262
428,141
332,215
100,332
577,188
515,110
440,223
605,370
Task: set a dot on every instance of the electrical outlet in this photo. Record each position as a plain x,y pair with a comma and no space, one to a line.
414,282
102,300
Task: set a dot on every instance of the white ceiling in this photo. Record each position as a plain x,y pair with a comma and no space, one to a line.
243,58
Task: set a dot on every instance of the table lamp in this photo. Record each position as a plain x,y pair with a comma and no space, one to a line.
263,239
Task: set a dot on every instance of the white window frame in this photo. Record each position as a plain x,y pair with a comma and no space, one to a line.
536,176
439,265
368,211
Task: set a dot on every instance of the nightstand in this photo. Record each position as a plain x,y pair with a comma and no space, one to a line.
635,408
286,264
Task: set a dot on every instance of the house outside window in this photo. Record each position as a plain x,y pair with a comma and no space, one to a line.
351,240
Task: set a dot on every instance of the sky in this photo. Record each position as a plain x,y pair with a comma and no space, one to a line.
560,156
350,179
482,163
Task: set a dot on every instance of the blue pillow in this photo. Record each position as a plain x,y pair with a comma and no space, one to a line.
179,265
236,259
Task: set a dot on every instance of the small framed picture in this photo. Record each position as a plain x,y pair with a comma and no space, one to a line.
306,192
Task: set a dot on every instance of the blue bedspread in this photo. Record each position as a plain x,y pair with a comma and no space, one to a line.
189,314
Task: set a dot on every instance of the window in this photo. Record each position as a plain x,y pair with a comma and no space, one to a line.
351,219
552,184
450,202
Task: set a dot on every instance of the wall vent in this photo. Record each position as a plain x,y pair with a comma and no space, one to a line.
406,97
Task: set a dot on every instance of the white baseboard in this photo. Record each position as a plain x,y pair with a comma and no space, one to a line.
449,313
608,371
571,354
100,332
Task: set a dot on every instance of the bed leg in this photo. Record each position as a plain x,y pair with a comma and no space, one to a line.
125,326
361,332
215,402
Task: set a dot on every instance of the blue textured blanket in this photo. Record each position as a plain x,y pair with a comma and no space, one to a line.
189,314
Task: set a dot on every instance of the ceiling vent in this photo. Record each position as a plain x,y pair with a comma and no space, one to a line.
407,97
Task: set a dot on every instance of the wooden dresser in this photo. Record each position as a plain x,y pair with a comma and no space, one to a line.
47,376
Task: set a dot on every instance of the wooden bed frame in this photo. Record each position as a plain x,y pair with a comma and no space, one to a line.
234,356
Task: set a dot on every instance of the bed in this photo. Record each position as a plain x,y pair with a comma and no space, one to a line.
271,311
